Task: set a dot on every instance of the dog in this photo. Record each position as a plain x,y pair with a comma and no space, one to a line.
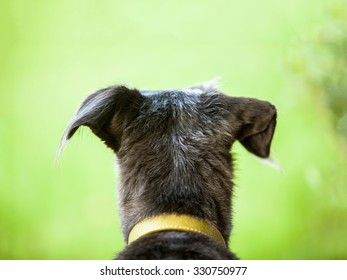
173,149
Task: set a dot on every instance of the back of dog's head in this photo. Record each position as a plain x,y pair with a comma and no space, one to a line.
177,117
173,145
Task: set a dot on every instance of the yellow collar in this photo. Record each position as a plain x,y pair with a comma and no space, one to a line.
175,222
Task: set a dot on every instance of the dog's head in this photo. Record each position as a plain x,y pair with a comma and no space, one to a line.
127,118
173,147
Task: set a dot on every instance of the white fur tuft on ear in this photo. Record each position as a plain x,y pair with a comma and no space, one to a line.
270,161
211,85
64,140
206,87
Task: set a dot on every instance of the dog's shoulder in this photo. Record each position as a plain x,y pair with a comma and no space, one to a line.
175,245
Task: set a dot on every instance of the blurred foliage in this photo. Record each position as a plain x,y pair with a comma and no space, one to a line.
318,71
322,64
52,54
319,68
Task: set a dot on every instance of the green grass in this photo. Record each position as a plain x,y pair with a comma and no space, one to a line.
52,54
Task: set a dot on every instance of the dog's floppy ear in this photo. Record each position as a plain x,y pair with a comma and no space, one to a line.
255,123
106,113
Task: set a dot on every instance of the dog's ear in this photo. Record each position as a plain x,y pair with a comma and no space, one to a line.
255,122
106,112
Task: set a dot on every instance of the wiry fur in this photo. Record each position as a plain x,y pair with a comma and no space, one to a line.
173,151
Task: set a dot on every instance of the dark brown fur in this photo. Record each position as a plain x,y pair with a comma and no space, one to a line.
173,149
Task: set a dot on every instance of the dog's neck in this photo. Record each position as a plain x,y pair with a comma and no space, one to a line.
174,222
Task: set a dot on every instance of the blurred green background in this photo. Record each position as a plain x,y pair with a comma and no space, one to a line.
54,53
